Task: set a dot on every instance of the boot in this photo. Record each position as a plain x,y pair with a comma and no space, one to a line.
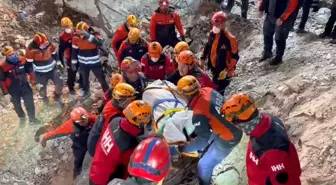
276,60
265,55
85,94
34,121
324,35
22,120
300,30
58,98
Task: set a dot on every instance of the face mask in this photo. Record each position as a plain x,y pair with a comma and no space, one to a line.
13,59
215,30
154,59
68,30
249,126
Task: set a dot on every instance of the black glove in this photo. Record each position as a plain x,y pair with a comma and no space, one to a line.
74,67
182,38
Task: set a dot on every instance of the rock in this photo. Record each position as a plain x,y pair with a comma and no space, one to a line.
60,150
37,170
59,3
65,157
109,14
44,171
144,24
40,15
331,151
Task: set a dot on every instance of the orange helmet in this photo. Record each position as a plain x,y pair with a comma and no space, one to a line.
123,91
239,107
7,51
129,64
138,113
78,115
82,26
41,39
155,50
186,57
188,85
115,79
181,46
66,22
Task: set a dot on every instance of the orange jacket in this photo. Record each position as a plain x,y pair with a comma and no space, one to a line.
43,60
221,52
69,128
120,35
162,25
13,77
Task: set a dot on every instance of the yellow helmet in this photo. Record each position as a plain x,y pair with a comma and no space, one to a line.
138,113
134,35
123,91
188,85
7,51
66,22
239,106
82,26
181,46
132,20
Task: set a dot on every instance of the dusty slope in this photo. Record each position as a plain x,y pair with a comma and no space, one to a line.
301,91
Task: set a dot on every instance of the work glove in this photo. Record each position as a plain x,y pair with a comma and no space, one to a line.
59,66
43,142
183,38
222,75
74,67
84,33
174,153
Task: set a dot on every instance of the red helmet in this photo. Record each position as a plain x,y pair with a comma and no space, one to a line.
41,39
78,115
219,18
150,160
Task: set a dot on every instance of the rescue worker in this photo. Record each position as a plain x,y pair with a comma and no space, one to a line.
215,137
156,64
280,17
78,128
115,79
64,51
243,7
141,168
119,139
163,23
131,71
179,47
43,55
221,52
134,46
271,157
122,95
188,65
306,6
122,32
85,52
13,81
330,29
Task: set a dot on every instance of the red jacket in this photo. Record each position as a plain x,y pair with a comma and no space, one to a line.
271,155
197,72
64,47
135,51
157,70
120,35
14,77
109,112
114,151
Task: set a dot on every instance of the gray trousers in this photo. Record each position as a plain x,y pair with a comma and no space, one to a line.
281,33
43,78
